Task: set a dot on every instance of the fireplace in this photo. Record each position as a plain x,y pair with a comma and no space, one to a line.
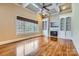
54,33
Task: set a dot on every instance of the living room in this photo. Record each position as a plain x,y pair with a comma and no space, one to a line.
34,29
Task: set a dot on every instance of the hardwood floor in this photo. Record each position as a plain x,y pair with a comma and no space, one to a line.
39,46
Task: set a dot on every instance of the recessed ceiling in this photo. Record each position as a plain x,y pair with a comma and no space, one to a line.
65,7
32,8
53,8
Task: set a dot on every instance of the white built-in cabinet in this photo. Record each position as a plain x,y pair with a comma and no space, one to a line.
65,28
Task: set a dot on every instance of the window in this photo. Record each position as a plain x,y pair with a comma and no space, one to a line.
24,26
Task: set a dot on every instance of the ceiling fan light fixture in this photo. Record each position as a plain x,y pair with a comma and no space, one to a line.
64,7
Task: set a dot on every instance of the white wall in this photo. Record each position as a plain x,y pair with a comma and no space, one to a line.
75,24
8,13
55,19
65,15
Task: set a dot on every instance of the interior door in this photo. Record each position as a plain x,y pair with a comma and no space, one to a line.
45,27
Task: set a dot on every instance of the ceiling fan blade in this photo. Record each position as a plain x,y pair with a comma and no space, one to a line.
46,8
42,7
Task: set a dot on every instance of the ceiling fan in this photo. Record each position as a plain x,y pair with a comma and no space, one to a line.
44,7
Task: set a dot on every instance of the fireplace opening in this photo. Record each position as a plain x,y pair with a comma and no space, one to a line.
53,33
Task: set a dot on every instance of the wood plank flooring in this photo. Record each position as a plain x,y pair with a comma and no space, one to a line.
39,46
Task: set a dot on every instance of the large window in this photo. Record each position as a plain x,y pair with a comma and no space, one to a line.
25,26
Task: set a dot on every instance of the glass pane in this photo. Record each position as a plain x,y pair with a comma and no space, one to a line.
24,27
68,24
62,24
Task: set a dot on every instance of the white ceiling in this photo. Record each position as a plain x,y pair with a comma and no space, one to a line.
37,7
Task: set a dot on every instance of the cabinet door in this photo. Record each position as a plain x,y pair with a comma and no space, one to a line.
62,24
62,28
68,27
